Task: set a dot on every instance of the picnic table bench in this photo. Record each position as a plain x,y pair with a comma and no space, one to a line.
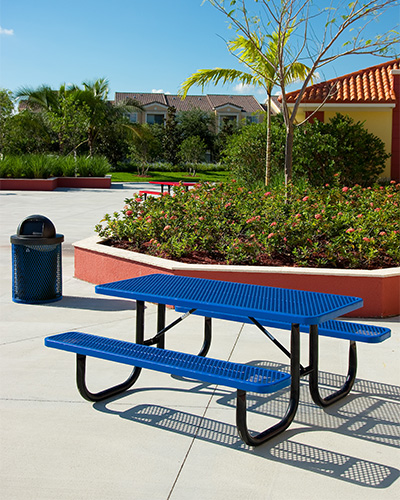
168,184
237,302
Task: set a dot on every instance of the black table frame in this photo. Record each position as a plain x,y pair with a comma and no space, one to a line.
296,370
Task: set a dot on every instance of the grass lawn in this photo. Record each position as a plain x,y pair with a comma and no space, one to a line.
213,176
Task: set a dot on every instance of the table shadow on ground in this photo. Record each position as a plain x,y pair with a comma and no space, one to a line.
361,415
283,449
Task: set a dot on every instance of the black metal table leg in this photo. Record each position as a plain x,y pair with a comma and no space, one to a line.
207,337
241,410
161,324
117,389
313,376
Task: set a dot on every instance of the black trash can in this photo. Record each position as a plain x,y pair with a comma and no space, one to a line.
36,261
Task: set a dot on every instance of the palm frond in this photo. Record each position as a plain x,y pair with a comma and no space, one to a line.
203,77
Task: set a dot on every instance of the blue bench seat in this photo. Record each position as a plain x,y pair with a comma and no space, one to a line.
347,330
236,375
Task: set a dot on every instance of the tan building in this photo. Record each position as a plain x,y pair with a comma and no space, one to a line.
224,107
370,95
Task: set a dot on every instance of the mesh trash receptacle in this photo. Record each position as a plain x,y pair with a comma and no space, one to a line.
36,261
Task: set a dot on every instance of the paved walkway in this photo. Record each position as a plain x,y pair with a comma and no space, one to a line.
171,438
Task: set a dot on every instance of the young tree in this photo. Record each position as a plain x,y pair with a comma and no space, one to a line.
262,74
318,35
196,122
171,137
192,149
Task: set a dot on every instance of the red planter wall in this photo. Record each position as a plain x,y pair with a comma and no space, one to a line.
380,291
54,183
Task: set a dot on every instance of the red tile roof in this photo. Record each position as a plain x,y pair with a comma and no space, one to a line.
372,85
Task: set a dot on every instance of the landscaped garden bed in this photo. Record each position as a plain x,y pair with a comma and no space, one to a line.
319,227
47,172
333,226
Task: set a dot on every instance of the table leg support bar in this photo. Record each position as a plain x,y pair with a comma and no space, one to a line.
241,410
107,393
313,377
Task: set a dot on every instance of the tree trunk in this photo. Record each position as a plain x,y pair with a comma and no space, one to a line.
289,153
268,147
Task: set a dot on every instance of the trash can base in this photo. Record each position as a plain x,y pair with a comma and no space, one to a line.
37,302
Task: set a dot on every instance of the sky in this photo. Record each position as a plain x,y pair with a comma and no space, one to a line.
138,45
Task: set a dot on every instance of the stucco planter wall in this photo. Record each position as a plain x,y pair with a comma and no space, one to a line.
380,289
54,183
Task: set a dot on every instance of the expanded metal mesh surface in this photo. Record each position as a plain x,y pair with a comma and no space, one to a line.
294,306
36,273
237,375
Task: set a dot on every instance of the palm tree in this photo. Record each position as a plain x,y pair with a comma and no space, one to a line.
45,100
263,66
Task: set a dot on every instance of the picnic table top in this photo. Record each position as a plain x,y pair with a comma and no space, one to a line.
173,183
263,302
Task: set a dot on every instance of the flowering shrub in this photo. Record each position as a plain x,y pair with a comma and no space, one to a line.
333,226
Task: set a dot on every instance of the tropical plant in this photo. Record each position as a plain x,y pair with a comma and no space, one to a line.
334,226
319,35
6,110
263,73
79,116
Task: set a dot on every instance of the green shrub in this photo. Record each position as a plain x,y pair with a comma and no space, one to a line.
38,166
41,166
96,166
68,166
320,150
334,226
340,146
6,166
245,152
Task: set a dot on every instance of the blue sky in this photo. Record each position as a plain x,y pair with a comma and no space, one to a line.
138,45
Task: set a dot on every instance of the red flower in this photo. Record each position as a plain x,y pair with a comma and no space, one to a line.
129,213
305,198
350,230
345,189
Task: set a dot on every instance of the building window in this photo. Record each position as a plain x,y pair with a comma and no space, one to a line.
155,119
226,119
133,117
251,119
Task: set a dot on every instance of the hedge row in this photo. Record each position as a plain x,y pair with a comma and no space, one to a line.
40,166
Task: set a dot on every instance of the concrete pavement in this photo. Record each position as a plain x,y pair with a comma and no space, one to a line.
170,438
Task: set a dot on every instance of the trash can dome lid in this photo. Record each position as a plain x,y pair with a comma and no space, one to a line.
37,226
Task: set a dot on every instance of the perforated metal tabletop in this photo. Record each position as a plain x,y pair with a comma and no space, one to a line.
293,306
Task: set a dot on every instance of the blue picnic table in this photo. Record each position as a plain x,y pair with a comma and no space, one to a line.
294,310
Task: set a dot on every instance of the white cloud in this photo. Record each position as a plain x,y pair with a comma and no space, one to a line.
4,31
241,88
159,91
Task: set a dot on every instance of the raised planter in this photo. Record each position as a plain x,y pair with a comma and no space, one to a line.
380,289
54,183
